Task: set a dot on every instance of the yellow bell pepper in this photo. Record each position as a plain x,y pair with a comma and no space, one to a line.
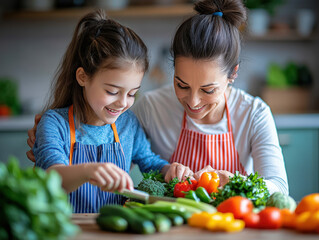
307,221
216,222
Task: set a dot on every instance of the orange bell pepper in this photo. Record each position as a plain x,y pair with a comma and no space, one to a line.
209,181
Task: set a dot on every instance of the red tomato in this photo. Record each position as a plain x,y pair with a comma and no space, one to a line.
4,110
237,205
251,220
270,218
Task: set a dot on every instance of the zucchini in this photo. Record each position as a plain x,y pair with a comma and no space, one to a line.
112,223
136,223
176,219
162,223
144,213
188,208
205,207
168,209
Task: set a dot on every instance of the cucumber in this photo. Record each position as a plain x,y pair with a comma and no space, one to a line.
205,207
162,223
176,219
168,209
136,223
188,208
144,213
112,223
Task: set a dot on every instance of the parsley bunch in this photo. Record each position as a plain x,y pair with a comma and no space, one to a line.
252,187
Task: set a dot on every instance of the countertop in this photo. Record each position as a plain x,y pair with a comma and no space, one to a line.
90,230
285,121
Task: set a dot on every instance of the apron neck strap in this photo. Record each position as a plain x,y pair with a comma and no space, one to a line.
72,133
227,113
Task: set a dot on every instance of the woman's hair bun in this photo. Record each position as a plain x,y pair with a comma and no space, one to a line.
234,11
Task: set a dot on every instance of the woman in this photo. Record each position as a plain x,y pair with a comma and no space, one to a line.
207,124
202,121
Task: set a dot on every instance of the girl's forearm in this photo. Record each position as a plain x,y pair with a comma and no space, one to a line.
72,176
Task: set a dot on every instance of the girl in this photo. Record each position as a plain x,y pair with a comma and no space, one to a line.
87,135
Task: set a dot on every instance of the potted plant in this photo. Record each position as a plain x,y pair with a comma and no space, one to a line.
259,14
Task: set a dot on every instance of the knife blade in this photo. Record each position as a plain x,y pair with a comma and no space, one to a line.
144,196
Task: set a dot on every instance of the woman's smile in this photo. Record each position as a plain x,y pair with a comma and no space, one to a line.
196,109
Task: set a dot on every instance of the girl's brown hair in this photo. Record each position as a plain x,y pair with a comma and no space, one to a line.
205,36
98,42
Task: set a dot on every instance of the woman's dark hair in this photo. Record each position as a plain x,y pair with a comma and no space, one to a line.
98,42
205,36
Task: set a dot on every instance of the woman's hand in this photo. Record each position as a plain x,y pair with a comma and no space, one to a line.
108,177
31,139
177,170
223,175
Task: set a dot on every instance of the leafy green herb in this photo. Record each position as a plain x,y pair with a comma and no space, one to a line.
154,175
253,187
170,187
33,204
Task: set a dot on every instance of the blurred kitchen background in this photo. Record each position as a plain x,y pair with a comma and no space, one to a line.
279,63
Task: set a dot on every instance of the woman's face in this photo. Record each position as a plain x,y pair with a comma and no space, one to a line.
110,92
200,86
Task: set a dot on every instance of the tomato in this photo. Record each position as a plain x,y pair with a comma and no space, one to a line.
270,218
309,203
251,220
288,218
237,205
4,110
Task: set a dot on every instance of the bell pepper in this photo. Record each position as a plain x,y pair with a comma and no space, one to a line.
203,195
216,222
209,181
191,194
184,187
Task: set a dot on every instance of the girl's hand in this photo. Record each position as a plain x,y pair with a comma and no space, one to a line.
31,139
108,177
223,175
178,170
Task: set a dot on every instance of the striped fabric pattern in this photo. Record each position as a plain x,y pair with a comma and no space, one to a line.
197,150
89,198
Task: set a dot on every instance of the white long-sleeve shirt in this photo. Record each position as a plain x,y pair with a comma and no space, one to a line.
254,130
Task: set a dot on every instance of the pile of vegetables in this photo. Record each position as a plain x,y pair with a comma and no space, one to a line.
33,204
252,187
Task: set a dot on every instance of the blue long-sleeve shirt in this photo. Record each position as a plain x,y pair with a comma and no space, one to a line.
52,144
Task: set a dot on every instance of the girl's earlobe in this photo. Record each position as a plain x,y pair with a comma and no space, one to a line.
81,76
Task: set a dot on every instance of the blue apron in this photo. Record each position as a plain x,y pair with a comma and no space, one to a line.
89,198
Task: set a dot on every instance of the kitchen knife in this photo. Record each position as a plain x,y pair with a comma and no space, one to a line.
144,196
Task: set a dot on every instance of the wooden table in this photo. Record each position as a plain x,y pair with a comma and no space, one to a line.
90,231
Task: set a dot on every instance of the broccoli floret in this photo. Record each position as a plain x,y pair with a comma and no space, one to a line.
152,187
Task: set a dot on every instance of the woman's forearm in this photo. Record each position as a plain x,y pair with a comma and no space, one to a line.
72,176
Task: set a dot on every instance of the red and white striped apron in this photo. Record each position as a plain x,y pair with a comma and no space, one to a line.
197,150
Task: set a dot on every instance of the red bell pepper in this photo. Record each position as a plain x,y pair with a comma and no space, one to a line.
184,186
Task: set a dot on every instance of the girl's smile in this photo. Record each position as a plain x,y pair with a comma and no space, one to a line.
110,92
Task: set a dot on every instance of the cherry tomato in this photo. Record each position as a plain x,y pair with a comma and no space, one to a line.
251,220
237,205
270,218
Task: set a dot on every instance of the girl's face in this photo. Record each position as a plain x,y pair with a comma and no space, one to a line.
200,86
109,93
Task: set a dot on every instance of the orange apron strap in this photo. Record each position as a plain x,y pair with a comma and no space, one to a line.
72,133
116,136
